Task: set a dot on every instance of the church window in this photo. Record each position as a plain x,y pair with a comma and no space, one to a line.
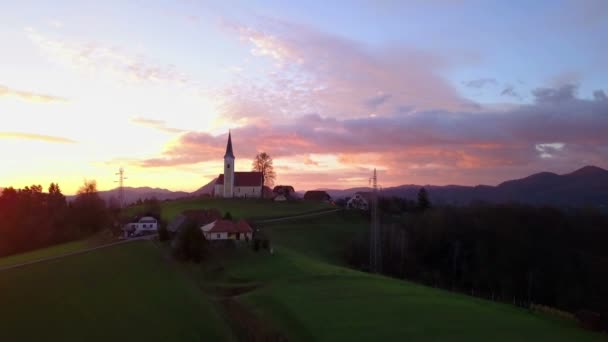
227,166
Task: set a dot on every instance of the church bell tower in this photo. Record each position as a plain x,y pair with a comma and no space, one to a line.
229,169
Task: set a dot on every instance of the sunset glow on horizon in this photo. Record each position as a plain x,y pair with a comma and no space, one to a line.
437,92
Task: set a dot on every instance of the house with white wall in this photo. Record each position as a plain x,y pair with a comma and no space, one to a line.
145,225
228,230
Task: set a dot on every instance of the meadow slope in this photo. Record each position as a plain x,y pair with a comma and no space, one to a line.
304,291
128,292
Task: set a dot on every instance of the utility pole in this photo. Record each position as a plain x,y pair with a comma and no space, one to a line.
121,183
375,242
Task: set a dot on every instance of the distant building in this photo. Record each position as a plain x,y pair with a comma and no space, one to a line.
237,184
145,225
360,200
228,230
316,195
287,191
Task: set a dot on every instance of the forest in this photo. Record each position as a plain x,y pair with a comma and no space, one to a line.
510,253
32,219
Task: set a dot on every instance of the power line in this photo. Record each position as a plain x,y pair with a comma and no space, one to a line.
121,190
375,242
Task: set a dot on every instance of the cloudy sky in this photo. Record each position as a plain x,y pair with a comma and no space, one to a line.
428,92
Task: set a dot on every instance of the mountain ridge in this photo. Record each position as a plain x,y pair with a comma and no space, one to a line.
585,186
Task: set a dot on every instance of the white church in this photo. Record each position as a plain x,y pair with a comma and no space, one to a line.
237,184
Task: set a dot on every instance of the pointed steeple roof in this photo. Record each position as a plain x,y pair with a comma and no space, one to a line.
229,152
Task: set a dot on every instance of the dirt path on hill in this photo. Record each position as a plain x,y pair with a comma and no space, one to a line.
246,325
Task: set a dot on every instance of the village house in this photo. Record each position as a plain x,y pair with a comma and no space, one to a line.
360,200
283,193
317,195
237,184
228,230
145,225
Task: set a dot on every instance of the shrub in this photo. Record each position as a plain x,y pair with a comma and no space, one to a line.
265,244
163,233
190,243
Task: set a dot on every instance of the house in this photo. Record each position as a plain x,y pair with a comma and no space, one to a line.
283,193
280,198
317,195
360,200
198,217
145,225
228,230
237,184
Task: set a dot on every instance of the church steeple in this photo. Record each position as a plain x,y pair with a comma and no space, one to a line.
229,169
229,152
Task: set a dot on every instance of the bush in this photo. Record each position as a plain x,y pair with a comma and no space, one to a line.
163,233
265,244
190,244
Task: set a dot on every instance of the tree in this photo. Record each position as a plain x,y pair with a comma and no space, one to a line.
423,199
263,163
89,210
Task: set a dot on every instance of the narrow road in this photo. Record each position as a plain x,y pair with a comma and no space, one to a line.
120,242
319,213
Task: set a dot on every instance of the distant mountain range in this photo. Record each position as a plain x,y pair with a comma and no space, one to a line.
206,189
133,194
586,186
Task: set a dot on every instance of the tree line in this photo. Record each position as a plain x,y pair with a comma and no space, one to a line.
32,219
511,253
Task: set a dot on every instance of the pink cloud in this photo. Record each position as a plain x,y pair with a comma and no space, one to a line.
100,58
437,146
314,72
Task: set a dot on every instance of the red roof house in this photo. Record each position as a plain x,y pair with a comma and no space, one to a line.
228,230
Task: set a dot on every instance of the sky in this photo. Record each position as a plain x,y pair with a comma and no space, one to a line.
428,92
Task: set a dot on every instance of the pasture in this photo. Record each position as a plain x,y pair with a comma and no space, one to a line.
304,292
238,208
128,292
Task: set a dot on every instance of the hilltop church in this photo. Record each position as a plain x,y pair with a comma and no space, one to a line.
237,184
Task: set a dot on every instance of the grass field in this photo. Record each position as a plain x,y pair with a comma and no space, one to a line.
134,292
238,208
304,292
43,253
122,293
57,250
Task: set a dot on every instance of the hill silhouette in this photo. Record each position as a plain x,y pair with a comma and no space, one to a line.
585,186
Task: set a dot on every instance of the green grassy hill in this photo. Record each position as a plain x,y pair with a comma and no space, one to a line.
238,208
123,293
304,292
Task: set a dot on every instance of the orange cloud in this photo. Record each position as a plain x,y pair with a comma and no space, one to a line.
156,124
38,137
29,96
